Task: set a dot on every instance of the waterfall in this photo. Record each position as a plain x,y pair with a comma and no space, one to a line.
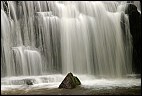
27,61
50,37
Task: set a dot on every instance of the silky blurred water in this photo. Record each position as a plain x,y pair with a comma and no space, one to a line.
89,38
53,81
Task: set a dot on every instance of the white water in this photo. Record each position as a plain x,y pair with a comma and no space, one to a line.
53,81
56,37
27,61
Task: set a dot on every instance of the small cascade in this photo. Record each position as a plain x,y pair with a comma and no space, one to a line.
26,61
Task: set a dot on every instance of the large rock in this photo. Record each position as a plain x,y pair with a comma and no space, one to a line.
135,29
70,82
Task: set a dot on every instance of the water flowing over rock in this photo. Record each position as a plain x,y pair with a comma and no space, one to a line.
70,82
134,15
28,82
135,29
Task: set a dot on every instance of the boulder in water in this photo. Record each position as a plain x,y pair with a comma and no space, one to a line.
70,82
28,82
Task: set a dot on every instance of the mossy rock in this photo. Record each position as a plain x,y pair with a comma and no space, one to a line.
77,81
70,82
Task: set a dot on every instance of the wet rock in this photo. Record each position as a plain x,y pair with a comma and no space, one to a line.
134,76
130,8
135,29
5,6
77,81
70,82
28,82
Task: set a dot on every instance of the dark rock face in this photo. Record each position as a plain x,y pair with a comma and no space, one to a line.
70,82
135,29
77,81
5,6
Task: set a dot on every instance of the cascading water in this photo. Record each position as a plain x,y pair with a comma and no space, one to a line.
27,61
56,37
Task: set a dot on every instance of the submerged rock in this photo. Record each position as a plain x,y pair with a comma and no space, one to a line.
134,76
70,82
28,82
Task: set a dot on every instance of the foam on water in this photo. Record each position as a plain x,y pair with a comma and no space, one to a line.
53,81
107,83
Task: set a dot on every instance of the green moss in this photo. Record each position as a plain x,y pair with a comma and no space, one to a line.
77,81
